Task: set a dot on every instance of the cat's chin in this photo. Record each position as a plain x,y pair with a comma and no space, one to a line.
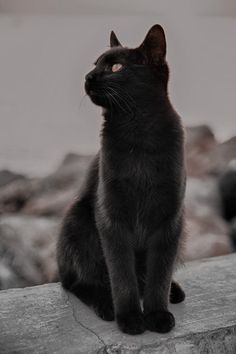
97,99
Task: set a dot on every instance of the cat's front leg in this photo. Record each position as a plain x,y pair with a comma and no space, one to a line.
119,257
161,255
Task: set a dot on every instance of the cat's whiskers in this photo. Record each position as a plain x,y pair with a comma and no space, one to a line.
115,100
109,100
115,97
124,92
119,97
82,99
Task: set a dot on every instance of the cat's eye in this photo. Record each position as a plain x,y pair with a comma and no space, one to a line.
116,67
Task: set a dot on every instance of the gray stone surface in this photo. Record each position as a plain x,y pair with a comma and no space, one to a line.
45,319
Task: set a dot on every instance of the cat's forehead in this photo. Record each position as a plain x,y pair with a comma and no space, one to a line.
117,55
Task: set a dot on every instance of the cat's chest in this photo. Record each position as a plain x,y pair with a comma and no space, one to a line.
138,180
140,169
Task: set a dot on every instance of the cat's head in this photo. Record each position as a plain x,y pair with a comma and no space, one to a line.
123,76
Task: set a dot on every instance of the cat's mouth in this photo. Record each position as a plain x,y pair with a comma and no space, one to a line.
87,87
90,89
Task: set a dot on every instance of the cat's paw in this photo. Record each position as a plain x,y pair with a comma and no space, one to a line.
159,321
105,312
131,322
177,294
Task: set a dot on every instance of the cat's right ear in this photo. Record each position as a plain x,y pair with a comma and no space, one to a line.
154,45
114,42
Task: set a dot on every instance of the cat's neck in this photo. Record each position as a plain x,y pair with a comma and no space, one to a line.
145,112
142,126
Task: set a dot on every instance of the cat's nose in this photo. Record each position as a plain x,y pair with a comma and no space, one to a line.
89,78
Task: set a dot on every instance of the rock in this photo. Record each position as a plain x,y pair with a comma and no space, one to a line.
71,171
51,203
207,233
200,141
201,137
221,155
27,251
203,153
15,195
206,237
49,195
7,176
57,191
202,196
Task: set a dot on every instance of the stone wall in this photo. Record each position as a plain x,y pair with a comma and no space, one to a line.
46,320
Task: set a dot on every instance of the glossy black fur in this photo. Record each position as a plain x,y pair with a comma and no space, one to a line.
121,239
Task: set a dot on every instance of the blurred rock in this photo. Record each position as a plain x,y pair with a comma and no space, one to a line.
27,251
200,141
202,196
207,233
200,137
51,203
70,172
221,155
57,191
49,195
206,237
7,176
15,195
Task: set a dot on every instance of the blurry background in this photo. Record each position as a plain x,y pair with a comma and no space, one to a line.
47,47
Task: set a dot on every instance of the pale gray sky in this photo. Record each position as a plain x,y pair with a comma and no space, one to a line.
45,57
120,7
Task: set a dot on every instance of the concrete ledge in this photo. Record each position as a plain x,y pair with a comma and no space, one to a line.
45,319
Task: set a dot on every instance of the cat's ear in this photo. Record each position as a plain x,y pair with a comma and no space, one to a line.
114,42
154,45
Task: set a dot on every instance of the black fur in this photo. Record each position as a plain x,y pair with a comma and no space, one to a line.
121,239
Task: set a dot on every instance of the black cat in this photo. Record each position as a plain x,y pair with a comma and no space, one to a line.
122,238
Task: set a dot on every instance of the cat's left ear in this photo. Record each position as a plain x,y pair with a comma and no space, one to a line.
114,42
154,44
